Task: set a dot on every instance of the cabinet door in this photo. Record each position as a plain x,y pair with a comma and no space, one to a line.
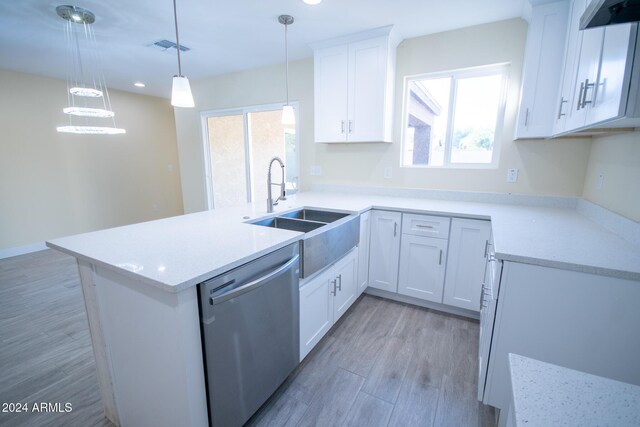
363,252
422,266
611,91
565,107
587,76
316,311
542,70
330,94
385,250
345,274
367,74
468,245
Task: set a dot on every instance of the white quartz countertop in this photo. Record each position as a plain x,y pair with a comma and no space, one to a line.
178,252
550,395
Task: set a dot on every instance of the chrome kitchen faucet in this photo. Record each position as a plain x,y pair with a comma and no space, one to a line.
270,201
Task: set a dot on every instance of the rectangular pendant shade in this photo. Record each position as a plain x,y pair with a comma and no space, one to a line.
181,92
288,115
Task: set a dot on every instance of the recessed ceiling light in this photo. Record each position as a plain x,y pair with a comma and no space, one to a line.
312,2
139,84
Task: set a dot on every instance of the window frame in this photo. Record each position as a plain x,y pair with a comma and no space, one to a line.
455,75
244,111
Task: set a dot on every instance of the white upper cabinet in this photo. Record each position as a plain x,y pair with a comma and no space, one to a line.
542,70
468,250
601,79
353,87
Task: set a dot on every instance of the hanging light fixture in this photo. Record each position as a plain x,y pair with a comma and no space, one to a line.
181,90
288,115
87,94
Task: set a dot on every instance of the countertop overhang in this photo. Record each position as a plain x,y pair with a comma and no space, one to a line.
179,252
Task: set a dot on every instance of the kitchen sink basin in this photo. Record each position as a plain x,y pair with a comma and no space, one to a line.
328,235
290,224
316,215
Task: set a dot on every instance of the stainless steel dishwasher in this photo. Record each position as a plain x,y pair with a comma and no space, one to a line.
250,334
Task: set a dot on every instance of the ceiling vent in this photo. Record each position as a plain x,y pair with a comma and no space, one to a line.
167,44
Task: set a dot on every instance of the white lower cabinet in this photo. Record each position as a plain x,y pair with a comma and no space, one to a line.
468,248
422,266
385,250
326,297
363,252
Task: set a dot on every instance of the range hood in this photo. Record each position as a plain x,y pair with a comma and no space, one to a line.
609,12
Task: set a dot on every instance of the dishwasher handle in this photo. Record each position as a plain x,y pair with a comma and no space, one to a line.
255,283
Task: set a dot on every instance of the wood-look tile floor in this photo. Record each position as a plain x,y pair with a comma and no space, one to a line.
384,363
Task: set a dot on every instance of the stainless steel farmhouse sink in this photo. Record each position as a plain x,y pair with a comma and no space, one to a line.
329,235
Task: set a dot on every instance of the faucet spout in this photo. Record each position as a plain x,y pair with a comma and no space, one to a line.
282,196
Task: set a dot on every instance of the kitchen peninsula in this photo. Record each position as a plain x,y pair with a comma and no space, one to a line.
139,288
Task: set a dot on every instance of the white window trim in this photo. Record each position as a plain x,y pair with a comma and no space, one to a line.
503,68
206,151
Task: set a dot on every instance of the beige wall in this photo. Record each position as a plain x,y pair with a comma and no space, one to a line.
54,184
617,159
556,167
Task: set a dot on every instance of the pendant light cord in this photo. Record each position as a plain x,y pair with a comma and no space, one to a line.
175,18
286,59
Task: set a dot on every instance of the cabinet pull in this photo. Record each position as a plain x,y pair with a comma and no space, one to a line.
486,247
395,229
587,86
526,118
334,287
340,282
342,126
440,260
350,126
580,95
424,226
560,113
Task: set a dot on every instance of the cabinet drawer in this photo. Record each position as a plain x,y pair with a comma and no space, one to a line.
426,225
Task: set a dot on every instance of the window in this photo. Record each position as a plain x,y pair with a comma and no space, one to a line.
452,119
238,146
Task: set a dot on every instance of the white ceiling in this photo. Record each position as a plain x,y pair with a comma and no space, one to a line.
224,35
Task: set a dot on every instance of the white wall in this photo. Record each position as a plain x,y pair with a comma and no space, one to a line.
54,184
546,167
617,159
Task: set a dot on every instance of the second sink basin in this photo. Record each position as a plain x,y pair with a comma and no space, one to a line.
316,215
290,224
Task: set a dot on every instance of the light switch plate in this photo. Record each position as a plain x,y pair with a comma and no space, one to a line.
316,170
388,172
512,175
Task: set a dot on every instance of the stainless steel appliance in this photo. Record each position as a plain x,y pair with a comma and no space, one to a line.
489,303
250,334
610,12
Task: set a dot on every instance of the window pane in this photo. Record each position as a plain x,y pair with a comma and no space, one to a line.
226,144
428,108
269,138
474,119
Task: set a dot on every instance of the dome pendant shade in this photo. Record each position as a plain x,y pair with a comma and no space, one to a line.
181,92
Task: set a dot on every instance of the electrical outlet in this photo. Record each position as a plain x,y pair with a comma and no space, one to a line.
316,170
600,182
170,168
388,172
512,175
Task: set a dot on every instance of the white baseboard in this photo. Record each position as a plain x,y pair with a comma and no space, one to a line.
21,250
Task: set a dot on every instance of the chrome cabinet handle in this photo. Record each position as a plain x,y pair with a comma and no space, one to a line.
334,287
440,259
342,126
587,86
423,226
395,229
350,126
486,248
340,282
560,113
526,118
580,95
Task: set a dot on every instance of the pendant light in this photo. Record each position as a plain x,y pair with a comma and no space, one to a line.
181,90
87,94
288,115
